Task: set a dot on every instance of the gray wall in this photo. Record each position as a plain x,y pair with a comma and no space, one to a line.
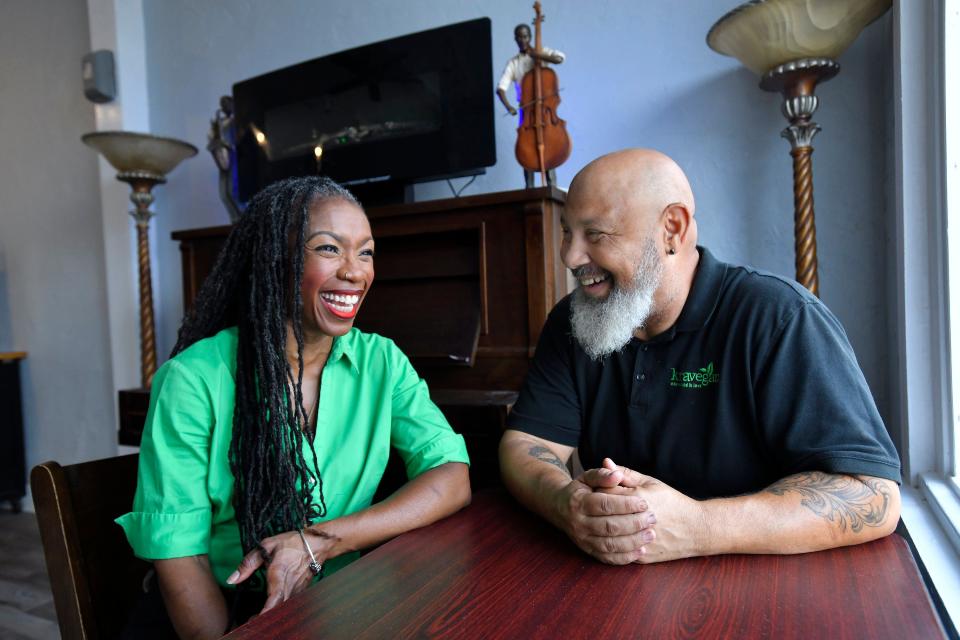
52,297
637,74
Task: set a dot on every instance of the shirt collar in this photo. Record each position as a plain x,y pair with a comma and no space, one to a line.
345,347
704,293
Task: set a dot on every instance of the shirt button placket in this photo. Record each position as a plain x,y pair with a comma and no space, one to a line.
639,376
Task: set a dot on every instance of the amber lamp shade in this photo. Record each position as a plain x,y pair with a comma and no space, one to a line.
764,34
129,152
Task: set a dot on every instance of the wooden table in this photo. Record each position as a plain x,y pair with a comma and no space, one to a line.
495,571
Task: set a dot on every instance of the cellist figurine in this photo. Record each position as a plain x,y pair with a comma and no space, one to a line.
513,74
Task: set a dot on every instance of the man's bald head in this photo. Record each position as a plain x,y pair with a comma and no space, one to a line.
630,239
639,181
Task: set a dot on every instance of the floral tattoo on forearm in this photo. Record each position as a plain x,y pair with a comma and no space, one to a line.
545,455
854,501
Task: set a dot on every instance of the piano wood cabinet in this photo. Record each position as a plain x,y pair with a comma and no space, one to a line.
463,286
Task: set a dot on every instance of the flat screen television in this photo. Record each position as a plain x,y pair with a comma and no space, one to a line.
406,110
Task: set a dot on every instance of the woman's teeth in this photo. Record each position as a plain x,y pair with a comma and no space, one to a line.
341,301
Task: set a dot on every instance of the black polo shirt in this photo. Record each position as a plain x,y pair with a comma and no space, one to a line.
754,382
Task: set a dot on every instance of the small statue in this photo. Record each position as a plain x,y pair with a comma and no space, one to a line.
221,143
517,67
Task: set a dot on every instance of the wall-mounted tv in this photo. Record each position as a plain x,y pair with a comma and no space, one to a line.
405,110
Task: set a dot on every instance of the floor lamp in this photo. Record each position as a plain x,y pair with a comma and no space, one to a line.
792,45
142,161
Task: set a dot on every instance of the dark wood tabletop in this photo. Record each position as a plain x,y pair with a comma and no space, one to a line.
496,571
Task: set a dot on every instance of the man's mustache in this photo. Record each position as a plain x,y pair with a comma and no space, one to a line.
588,271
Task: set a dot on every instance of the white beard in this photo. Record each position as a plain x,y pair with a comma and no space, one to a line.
604,326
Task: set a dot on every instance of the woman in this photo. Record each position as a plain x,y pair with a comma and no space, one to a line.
270,427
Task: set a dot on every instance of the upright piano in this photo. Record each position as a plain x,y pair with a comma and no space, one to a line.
463,286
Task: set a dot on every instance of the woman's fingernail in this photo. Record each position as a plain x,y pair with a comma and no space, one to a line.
233,577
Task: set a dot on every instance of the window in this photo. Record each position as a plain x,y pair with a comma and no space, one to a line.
951,185
927,321
938,478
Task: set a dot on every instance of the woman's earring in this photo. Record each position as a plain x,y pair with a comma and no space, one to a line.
671,251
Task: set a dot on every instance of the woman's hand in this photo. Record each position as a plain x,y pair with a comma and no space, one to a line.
287,563
432,495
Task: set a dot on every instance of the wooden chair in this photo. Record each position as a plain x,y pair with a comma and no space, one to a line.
94,575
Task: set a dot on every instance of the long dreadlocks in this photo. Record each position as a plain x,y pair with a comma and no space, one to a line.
255,284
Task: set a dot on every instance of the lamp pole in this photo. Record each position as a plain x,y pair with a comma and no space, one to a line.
797,81
141,184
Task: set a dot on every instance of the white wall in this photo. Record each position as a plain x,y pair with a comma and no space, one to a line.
637,74
52,274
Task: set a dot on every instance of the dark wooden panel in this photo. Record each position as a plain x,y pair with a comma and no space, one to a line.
198,255
496,571
132,406
438,254
13,472
427,295
451,306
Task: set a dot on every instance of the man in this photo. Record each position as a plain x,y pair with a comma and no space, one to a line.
513,73
731,397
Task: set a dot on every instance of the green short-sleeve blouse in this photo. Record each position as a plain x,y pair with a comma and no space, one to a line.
371,399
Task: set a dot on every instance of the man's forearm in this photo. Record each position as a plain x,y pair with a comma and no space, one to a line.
552,58
804,512
534,474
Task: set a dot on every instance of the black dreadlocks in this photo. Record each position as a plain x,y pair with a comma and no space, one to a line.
255,284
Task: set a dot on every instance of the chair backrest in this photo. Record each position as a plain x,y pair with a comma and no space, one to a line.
96,579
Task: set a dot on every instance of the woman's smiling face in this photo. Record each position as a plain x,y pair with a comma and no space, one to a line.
337,267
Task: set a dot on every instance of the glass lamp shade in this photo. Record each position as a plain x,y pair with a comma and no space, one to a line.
140,153
763,34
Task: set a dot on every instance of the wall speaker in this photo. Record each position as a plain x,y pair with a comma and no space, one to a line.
99,76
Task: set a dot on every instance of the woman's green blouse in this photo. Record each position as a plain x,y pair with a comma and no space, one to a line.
371,399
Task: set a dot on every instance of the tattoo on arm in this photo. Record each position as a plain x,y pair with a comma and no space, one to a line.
544,454
857,501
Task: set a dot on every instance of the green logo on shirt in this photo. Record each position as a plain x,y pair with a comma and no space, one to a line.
694,379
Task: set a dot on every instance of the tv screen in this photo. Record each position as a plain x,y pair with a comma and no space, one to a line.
407,110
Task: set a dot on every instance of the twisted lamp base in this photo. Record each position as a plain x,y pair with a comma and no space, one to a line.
797,81
141,196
